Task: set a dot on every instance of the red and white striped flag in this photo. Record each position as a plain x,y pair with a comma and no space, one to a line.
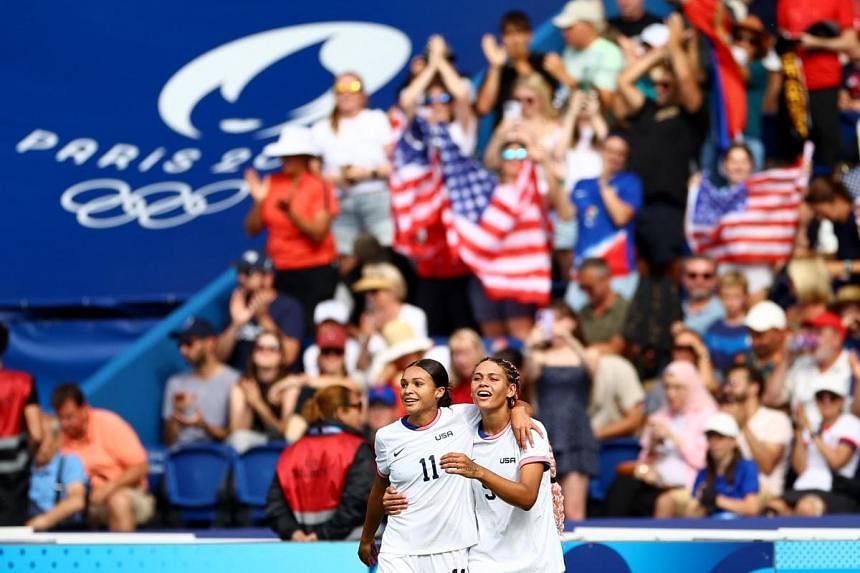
754,222
500,231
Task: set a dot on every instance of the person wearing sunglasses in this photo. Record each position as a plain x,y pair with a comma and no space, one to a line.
354,143
825,457
701,306
334,453
443,95
254,418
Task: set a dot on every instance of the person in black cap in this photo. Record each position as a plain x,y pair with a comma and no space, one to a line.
256,306
196,405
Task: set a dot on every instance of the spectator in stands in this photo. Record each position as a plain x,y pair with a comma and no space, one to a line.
727,338
765,433
728,485
824,30
689,346
336,313
821,360
58,484
254,419
605,209
825,457
811,286
847,306
702,307
534,120
402,347
334,453
20,429
617,405
507,63
354,143
766,325
604,315
589,62
381,409
443,95
673,450
113,458
665,137
561,369
385,292
632,18
256,306
196,406
830,200
467,349
296,206
292,392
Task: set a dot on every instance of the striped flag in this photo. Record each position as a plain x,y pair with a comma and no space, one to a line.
500,231
754,222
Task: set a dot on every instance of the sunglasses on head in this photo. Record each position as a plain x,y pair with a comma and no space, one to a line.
441,98
348,87
515,153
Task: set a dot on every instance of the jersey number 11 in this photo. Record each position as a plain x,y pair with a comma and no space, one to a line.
432,464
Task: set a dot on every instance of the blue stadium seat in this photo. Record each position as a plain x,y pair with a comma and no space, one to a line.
612,453
195,475
253,473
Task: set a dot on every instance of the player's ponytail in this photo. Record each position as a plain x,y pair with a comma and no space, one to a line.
440,378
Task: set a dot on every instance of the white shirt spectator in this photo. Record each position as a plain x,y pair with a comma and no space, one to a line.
359,141
772,427
817,474
804,376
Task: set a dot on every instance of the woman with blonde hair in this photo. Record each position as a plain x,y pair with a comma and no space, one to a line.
810,283
354,144
333,452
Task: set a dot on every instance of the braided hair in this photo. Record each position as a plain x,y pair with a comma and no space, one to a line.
511,374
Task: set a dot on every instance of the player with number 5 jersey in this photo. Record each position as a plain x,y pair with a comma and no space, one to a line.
435,532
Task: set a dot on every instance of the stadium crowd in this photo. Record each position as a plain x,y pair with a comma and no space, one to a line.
647,235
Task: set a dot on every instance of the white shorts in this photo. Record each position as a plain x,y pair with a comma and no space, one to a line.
448,562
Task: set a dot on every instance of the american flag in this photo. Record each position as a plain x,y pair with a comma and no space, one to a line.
754,222
500,231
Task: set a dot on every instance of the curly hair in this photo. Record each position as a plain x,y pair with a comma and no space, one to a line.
512,375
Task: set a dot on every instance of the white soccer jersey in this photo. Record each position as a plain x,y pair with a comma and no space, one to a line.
439,517
512,540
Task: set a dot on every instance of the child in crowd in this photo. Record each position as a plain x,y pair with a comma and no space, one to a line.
727,337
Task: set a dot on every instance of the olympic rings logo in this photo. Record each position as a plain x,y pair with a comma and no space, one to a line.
176,203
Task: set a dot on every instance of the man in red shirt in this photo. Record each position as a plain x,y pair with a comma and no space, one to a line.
820,57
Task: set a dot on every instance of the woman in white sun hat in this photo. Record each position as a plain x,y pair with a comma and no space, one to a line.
296,206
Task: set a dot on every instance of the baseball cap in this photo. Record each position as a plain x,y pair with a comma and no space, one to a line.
580,11
331,309
764,316
382,394
655,35
254,260
331,336
194,328
830,384
723,424
827,320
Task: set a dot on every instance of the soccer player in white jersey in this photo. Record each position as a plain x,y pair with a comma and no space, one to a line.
435,532
512,490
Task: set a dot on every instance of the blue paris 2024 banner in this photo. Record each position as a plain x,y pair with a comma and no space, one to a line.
125,127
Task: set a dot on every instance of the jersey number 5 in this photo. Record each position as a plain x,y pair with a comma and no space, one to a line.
432,464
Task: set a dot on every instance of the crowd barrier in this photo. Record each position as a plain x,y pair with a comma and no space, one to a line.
607,550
